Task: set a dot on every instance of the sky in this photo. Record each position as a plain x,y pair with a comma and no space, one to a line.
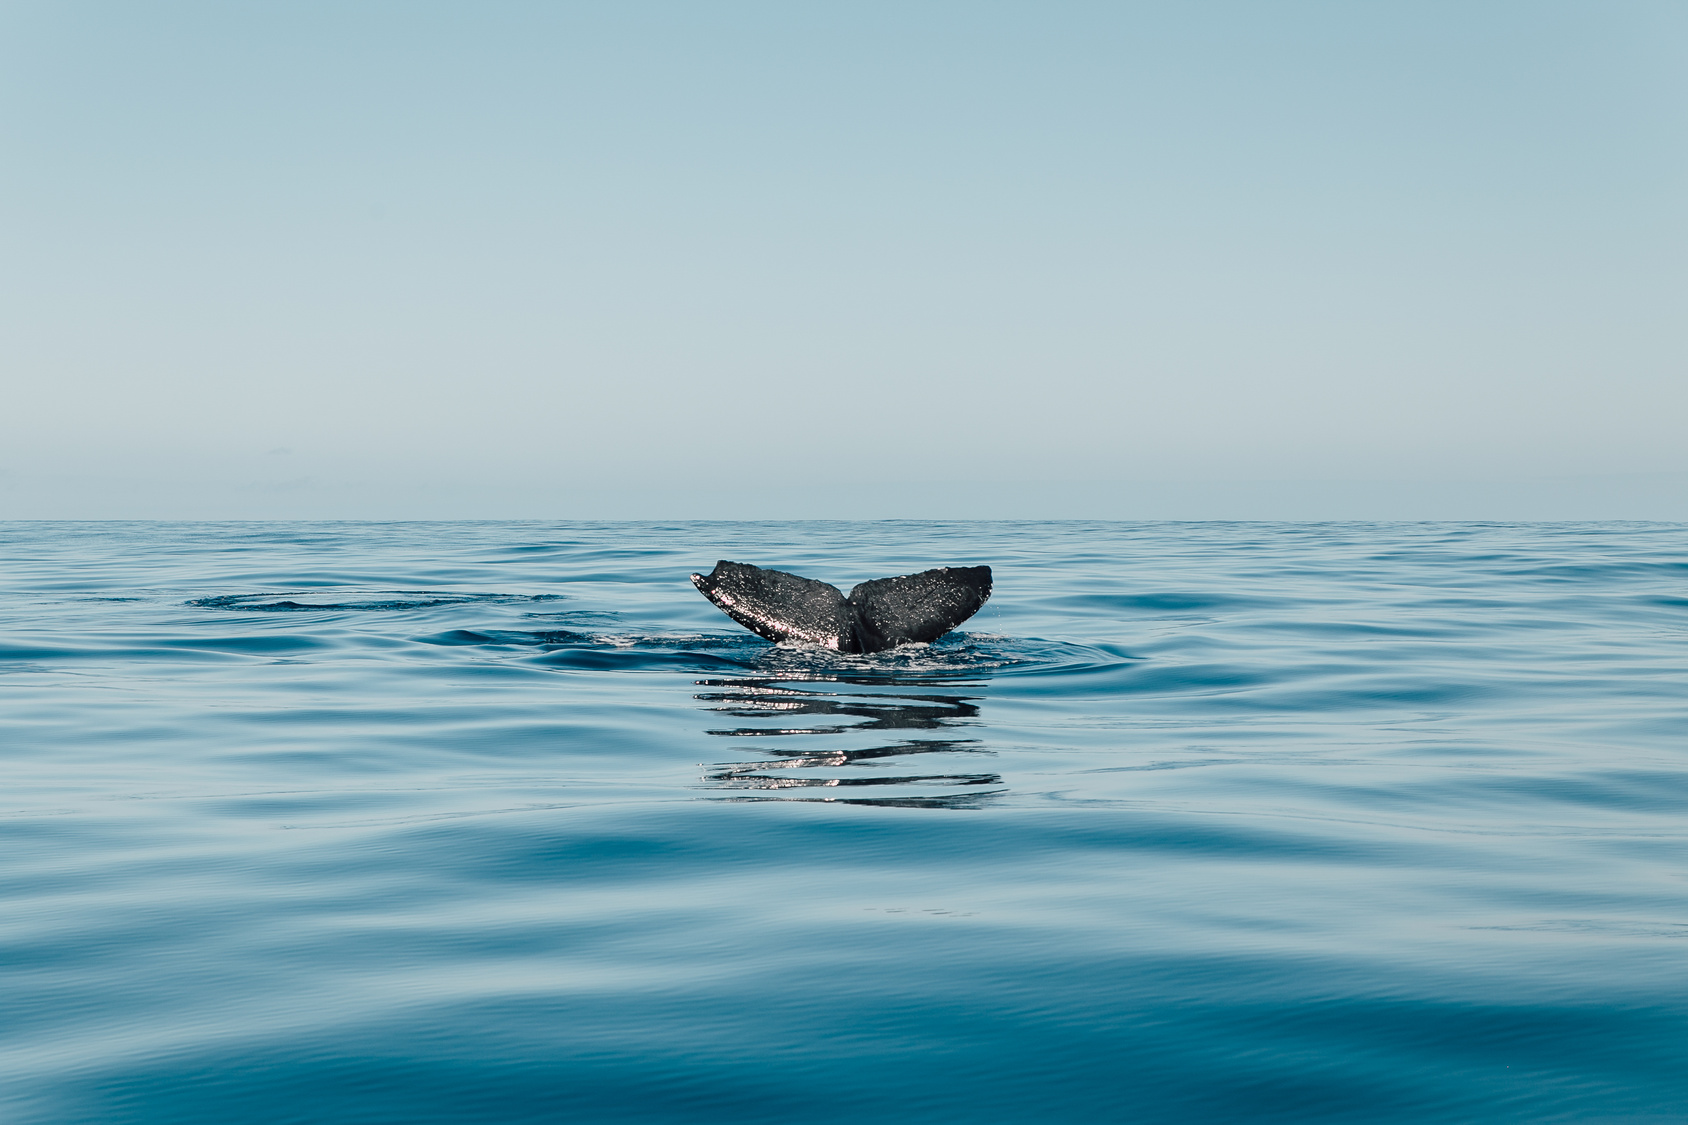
1207,260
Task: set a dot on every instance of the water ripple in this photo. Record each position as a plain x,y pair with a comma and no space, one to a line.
502,822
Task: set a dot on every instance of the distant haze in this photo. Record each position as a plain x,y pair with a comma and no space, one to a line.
1208,260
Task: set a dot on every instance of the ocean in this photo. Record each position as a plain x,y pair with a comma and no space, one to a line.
503,822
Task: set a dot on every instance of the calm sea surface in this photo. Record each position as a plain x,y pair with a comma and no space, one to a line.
502,822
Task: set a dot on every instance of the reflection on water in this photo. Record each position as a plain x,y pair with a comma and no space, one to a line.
813,707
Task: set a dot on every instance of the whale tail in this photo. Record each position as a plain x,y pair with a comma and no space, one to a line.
881,614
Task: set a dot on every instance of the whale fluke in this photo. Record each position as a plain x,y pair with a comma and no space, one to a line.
881,614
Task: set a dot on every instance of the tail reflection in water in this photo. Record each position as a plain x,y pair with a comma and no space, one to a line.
815,708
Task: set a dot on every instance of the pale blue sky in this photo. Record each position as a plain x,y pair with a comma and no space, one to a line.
1204,260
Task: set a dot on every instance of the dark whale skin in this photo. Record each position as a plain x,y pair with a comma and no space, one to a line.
878,615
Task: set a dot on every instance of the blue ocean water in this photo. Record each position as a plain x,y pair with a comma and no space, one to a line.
502,822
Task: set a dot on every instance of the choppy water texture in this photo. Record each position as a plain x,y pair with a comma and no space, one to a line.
502,822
